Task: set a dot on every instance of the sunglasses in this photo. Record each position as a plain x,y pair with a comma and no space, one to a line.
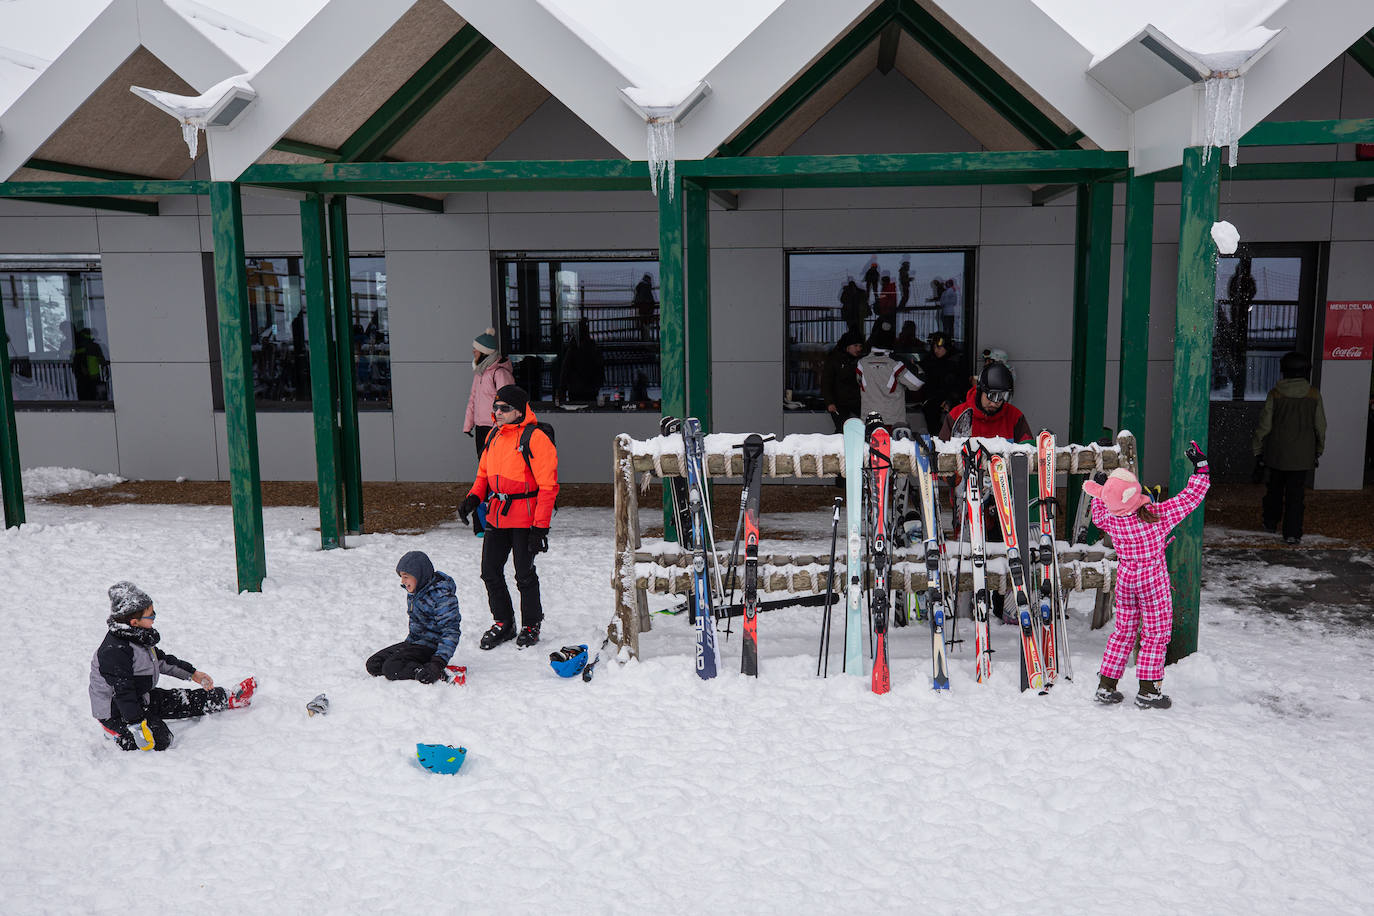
501,408
997,397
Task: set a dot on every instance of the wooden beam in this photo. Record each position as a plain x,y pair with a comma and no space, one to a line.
887,46
236,354
1363,52
728,200
1088,371
1194,326
697,267
323,386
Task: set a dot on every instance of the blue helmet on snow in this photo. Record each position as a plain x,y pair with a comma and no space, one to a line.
568,661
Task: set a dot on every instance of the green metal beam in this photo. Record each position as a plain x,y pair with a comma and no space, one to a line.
1310,133
118,204
1193,330
980,76
697,265
1285,171
416,96
1363,52
672,329
1364,192
122,188
1135,307
1046,193
805,86
349,447
236,353
413,201
323,387
68,168
1092,277
301,148
446,177
11,486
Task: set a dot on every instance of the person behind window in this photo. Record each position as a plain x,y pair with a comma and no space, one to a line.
840,380
517,479
904,282
945,384
872,276
853,307
886,306
646,307
88,361
1288,443
581,372
882,378
949,307
491,371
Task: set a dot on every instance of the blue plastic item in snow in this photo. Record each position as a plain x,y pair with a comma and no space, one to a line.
569,660
444,759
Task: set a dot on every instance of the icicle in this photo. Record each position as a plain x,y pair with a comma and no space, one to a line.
190,132
662,154
1222,98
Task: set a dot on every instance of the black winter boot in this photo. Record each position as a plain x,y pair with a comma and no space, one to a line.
498,633
528,636
1107,693
1151,697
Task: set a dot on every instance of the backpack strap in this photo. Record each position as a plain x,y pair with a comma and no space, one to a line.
523,448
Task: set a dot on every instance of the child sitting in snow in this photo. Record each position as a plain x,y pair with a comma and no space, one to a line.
1122,509
432,605
125,697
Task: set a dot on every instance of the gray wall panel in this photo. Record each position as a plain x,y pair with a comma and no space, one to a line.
127,232
428,401
747,305
426,232
155,307
747,397
947,226
1025,298
164,420
84,439
573,231
439,301
49,235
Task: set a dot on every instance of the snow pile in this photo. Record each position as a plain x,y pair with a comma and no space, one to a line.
43,482
809,793
1226,236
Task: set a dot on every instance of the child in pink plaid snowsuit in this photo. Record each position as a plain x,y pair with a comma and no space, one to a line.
1139,533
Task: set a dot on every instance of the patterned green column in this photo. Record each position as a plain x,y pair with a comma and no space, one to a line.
696,203
1193,328
323,382
672,330
347,376
10,481
1135,306
1091,290
240,412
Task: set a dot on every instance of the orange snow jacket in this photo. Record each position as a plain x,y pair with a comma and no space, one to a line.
518,496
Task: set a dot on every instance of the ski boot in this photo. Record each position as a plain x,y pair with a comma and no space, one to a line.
242,695
1107,694
528,636
1151,697
496,634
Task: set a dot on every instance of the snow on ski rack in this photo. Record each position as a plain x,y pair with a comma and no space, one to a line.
662,567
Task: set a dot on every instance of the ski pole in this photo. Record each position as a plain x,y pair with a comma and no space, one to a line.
829,591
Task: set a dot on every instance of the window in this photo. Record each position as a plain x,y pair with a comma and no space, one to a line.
54,319
582,328
830,293
1262,313
279,331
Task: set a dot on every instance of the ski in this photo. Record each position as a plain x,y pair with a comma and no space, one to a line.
1051,608
973,507
879,477
753,478
936,606
707,650
854,507
680,511
1032,672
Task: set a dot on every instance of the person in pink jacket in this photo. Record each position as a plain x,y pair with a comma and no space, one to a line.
491,371
1139,532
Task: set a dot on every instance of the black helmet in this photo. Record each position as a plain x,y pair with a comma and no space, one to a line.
1295,365
996,377
938,339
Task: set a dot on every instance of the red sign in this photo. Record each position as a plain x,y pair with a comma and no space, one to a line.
1349,331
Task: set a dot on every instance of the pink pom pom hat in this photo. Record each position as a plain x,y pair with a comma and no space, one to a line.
1122,493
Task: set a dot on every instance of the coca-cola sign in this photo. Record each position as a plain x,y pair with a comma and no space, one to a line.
1349,330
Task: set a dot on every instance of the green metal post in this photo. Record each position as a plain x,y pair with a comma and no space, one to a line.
323,385
696,202
1135,306
240,413
349,448
672,331
1091,283
10,483
1193,329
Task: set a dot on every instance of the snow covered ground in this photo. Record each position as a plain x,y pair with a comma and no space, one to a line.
649,790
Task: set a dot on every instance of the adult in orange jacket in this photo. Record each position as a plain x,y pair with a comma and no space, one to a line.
519,494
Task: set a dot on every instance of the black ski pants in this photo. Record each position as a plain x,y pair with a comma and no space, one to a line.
179,703
398,662
1283,501
497,545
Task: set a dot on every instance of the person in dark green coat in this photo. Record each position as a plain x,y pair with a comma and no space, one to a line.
1289,440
